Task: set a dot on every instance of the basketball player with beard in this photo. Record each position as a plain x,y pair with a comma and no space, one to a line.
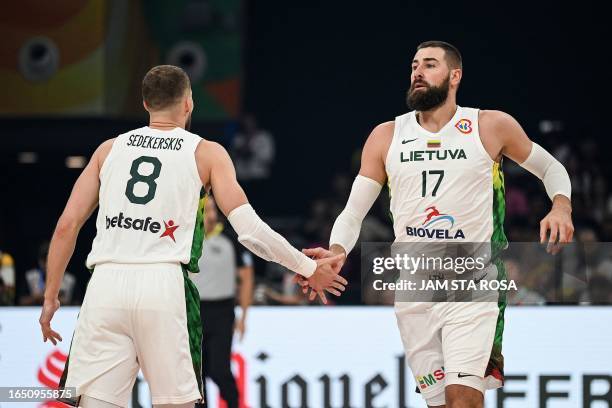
444,160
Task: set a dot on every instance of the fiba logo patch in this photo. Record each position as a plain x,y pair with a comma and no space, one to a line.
436,225
464,126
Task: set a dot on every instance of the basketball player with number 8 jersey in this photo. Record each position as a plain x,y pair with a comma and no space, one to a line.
141,311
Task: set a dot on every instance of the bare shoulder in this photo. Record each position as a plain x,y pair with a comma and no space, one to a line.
501,134
208,150
103,150
381,135
106,145
384,130
210,155
375,151
496,120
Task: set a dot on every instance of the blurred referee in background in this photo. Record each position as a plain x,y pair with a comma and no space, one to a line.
222,259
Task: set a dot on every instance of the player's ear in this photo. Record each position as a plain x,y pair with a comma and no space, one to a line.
189,102
455,76
144,104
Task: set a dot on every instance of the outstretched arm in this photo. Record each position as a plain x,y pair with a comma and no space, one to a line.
82,202
365,190
217,171
515,144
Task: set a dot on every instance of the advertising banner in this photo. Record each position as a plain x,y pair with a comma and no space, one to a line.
353,357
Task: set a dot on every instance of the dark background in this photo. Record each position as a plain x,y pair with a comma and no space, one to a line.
319,77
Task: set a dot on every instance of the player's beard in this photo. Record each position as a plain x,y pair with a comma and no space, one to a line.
430,98
188,123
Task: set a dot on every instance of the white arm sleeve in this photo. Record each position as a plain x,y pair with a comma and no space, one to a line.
348,224
548,169
264,242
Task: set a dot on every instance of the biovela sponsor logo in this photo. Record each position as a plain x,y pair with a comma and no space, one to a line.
437,225
142,224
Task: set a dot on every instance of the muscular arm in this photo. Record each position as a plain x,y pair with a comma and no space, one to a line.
217,171
82,202
366,188
375,152
502,135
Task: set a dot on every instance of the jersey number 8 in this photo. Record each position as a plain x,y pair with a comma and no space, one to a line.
148,179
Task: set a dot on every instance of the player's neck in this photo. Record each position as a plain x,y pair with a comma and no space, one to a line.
433,120
165,123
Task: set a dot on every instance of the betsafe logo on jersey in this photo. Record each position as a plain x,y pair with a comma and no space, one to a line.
141,224
436,219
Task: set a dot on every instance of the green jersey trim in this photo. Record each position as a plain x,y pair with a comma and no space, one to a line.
194,327
499,242
198,235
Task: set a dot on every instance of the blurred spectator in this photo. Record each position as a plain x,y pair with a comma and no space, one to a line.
606,225
7,279
524,295
253,151
35,279
516,202
285,292
370,291
374,230
318,225
583,260
5,295
276,286
599,291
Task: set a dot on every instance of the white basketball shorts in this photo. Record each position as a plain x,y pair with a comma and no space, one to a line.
135,316
452,337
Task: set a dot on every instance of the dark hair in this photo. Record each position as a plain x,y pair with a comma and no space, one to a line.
451,53
163,86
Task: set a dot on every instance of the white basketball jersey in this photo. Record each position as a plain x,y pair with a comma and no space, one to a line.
444,186
151,200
